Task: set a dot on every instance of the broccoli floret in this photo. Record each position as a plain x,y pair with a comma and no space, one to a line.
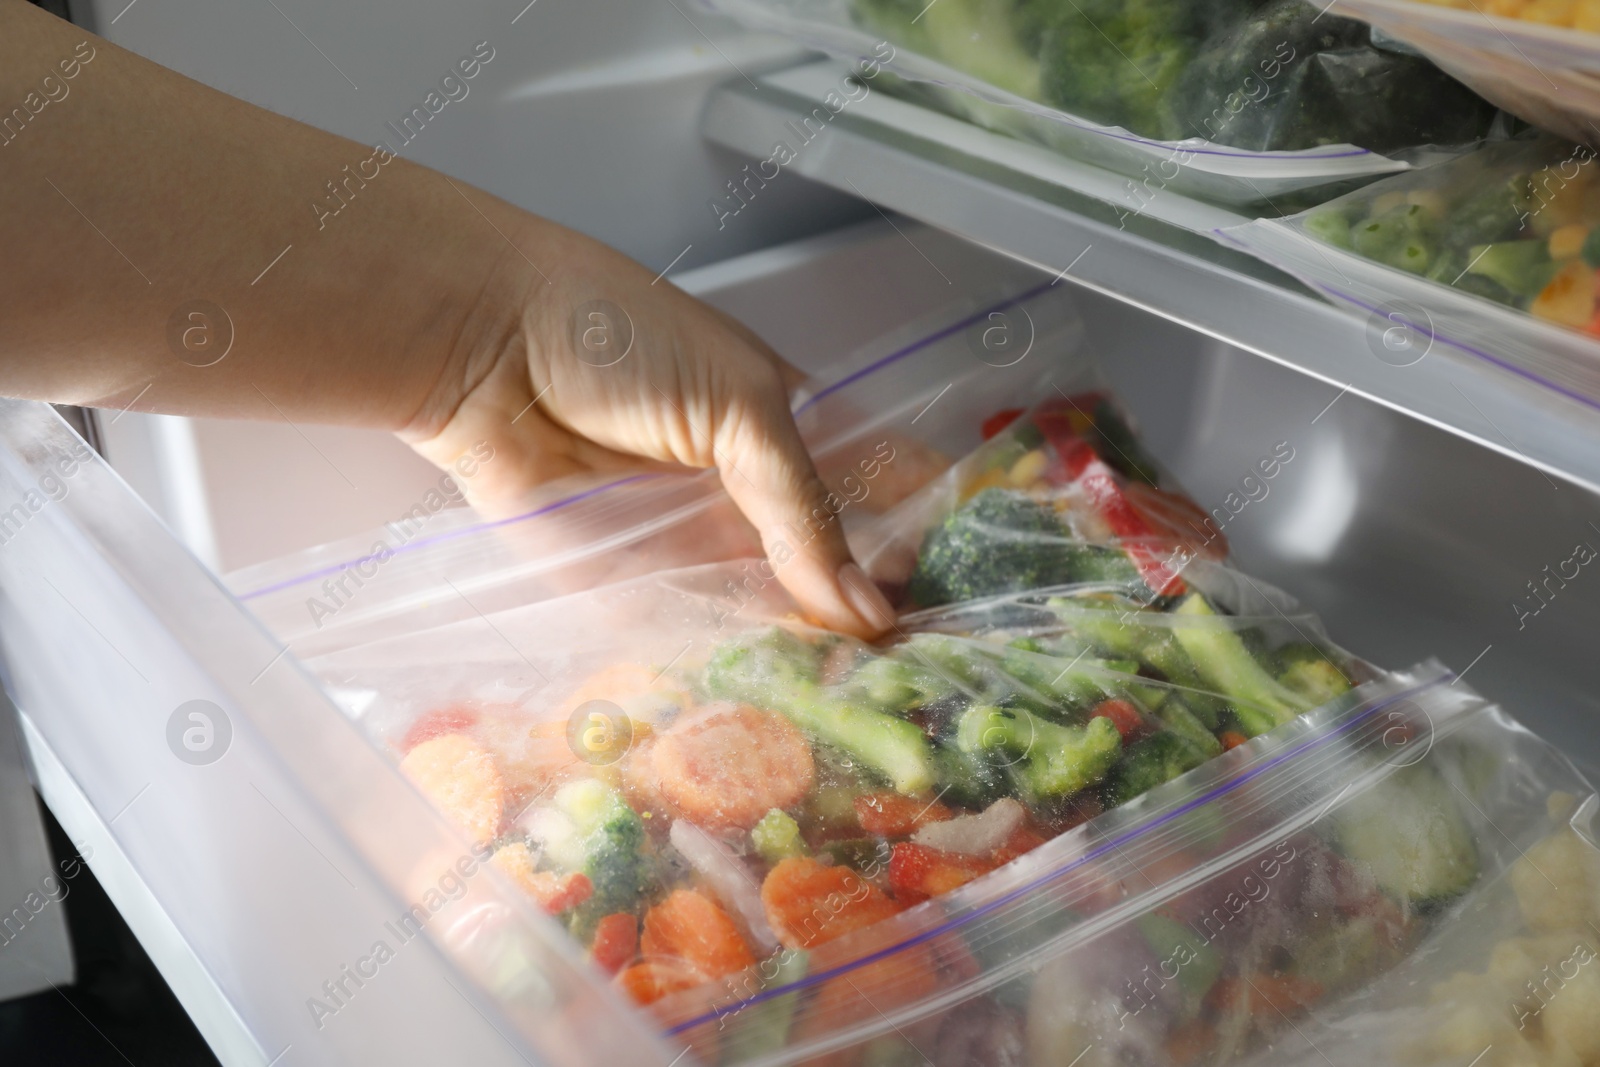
1046,760
897,682
1292,76
779,671
977,36
777,836
608,844
965,778
1493,214
1115,61
1306,669
1148,763
1226,664
1176,715
1002,541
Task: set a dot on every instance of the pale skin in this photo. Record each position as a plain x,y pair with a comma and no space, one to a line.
427,308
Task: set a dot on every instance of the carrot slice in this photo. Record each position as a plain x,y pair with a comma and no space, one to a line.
690,926
461,780
649,980
728,766
455,719
809,903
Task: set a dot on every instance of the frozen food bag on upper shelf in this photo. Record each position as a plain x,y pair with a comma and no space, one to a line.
880,424
1239,101
1538,59
1492,257
1062,493
982,841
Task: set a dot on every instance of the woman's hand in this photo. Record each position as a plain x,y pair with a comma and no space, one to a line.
599,366
359,288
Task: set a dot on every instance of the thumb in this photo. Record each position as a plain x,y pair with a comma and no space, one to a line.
768,473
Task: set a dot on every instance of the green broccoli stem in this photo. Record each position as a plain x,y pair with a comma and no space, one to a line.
778,671
1174,713
1165,655
978,665
893,747
1260,701
1120,632
1053,760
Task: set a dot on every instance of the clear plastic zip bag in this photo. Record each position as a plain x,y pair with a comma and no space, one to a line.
682,772
1544,67
1486,258
1260,906
1239,103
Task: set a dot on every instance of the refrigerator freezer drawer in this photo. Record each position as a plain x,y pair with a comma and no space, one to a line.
267,846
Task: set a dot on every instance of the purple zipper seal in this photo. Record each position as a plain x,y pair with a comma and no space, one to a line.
917,346
336,568
1110,845
1432,334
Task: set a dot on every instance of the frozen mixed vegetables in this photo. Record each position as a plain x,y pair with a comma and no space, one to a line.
1062,495
1519,225
786,759
1255,74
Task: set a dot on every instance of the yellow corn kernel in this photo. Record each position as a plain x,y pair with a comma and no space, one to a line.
1027,470
1567,242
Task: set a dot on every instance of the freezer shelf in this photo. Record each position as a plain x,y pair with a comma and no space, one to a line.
1141,243
257,878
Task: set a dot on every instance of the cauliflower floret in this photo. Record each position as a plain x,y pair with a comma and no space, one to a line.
1572,1016
1558,883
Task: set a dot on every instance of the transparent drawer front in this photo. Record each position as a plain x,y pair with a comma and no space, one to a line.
340,919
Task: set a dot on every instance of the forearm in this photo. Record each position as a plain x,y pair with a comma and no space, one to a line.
130,192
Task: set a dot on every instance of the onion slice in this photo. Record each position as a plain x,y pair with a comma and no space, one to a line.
729,879
974,835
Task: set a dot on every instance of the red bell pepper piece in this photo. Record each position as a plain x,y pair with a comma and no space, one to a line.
616,941
995,424
1152,554
894,815
1123,715
917,872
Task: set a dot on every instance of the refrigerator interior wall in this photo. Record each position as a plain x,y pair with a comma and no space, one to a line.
586,113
